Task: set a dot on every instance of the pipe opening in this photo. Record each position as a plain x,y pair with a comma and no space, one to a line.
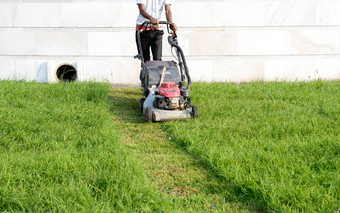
66,72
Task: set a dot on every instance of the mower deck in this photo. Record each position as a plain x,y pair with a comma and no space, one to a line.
152,114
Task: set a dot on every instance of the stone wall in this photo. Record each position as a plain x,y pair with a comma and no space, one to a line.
224,40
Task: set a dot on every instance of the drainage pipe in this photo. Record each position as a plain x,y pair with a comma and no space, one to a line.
66,72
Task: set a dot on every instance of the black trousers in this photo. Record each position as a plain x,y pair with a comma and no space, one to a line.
151,39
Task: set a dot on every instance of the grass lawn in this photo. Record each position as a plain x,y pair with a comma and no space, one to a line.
83,147
60,151
277,145
187,181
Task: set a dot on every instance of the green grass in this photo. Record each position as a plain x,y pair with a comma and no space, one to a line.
60,151
277,145
83,147
191,185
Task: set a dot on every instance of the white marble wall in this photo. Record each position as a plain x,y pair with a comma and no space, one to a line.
217,13
225,41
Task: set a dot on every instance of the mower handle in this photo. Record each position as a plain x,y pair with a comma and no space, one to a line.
146,23
172,40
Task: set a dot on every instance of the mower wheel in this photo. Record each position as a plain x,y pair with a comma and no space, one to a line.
195,111
141,103
149,117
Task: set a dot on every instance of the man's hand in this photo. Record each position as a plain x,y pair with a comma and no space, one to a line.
154,21
173,27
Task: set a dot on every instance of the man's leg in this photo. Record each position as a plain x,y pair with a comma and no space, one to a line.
145,38
156,44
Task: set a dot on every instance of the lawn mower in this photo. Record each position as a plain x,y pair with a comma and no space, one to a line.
165,84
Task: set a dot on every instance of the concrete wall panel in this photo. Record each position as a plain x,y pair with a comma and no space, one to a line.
36,15
123,14
7,69
85,15
116,71
212,42
328,13
62,43
26,70
263,43
237,70
6,15
291,69
328,68
291,13
17,43
219,13
201,70
70,14
313,41
112,43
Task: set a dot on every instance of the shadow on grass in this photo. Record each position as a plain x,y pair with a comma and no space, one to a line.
125,106
235,192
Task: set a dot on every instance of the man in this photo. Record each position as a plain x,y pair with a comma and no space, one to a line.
151,10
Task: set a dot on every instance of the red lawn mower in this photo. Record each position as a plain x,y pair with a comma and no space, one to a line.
166,84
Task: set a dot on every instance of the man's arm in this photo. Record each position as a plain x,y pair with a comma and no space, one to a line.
142,11
168,15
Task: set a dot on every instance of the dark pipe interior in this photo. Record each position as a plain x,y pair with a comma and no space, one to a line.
66,72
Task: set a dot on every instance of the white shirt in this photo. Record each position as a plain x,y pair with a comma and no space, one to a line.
153,7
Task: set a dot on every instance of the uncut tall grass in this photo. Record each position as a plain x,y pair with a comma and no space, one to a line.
59,151
277,145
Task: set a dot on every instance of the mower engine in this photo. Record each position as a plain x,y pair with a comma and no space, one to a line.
169,97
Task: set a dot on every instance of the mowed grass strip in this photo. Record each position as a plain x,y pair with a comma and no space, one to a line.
182,178
60,152
276,144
